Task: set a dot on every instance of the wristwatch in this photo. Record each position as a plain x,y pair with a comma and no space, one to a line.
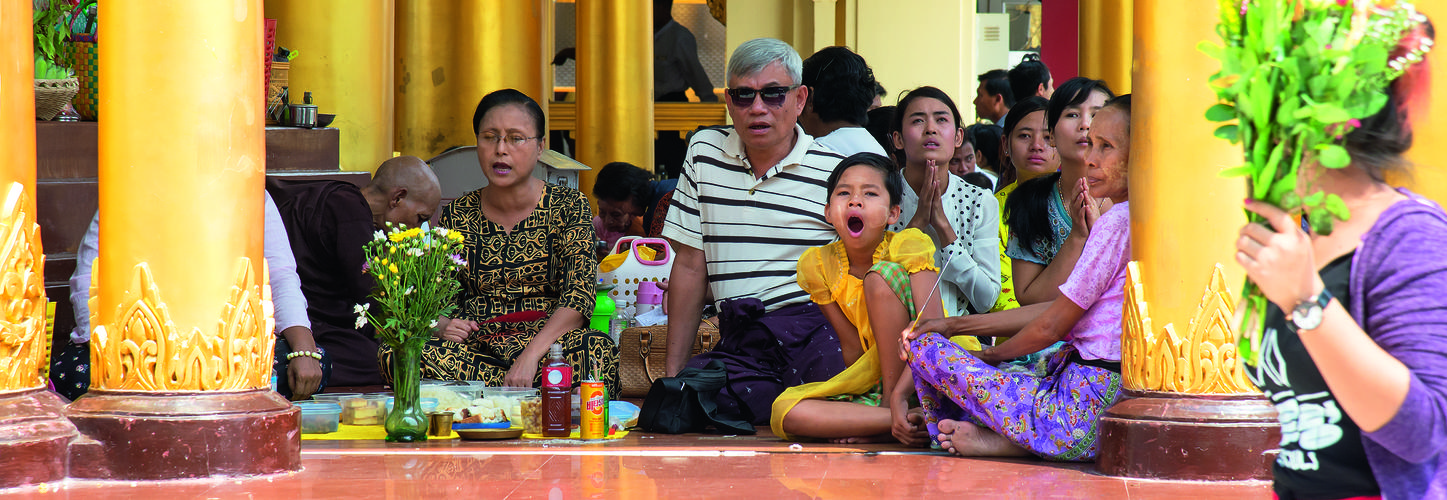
1308,314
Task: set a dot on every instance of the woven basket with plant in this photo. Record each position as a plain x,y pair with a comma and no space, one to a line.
54,84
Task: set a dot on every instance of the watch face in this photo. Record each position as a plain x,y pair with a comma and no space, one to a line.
1307,316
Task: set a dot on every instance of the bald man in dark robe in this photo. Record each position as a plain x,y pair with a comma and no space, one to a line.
328,223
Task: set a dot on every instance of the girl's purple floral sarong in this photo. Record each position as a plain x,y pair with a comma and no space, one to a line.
1055,416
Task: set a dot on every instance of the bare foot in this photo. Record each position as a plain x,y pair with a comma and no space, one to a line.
970,440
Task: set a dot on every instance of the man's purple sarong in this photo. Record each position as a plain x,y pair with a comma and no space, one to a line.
766,353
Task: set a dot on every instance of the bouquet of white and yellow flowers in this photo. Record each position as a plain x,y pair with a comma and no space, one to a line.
414,269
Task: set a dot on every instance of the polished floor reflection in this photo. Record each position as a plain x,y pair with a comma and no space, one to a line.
643,466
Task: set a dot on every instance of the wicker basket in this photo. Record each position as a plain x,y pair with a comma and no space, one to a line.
51,96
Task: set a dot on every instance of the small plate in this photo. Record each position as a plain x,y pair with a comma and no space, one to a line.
488,433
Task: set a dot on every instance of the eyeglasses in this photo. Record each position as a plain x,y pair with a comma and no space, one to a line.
743,97
498,140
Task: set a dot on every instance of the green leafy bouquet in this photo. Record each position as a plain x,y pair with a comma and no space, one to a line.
1296,76
51,31
414,271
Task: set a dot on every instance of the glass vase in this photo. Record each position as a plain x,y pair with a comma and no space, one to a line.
406,422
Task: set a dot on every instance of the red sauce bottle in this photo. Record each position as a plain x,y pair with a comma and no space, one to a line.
557,394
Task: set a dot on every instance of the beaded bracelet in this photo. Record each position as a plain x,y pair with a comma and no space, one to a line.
310,354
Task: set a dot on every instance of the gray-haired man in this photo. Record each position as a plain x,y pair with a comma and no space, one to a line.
750,201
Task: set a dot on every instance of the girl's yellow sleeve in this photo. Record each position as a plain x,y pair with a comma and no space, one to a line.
811,276
914,250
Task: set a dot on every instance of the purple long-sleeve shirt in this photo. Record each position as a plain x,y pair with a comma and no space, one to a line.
1399,296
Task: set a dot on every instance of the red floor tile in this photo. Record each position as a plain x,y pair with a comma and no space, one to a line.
639,467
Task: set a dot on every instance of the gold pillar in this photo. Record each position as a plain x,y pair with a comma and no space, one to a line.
450,54
345,60
1105,42
24,346
179,300
1429,120
615,85
1179,240
1186,395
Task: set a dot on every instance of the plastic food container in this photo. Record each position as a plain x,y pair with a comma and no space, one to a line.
532,415
510,400
469,389
318,418
452,394
333,398
364,409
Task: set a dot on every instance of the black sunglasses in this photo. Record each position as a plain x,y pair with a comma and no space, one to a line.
743,97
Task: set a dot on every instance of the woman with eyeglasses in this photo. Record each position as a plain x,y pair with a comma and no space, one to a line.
530,275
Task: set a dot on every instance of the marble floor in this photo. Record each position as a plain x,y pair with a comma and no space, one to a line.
649,466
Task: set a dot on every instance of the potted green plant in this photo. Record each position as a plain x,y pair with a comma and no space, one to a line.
55,86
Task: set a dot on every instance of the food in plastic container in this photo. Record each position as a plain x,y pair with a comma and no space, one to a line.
333,398
318,418
451,395
509,399
364,409
532,414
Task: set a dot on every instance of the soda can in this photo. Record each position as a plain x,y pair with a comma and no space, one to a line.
594,410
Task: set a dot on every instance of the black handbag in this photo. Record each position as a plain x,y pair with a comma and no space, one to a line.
685,403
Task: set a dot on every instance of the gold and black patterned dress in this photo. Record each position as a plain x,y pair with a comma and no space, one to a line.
546,263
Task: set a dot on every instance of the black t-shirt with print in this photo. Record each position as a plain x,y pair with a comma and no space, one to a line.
1321,453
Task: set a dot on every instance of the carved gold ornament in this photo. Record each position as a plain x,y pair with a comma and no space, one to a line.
1204,361
24,345
142,350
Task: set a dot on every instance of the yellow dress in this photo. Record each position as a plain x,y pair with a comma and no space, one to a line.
1007,281
824,273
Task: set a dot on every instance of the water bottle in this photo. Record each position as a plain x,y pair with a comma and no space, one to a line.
621,321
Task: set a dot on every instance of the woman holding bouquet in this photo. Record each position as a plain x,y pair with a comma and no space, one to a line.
530,270
1354,347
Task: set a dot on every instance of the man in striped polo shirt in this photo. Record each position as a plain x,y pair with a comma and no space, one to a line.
750,201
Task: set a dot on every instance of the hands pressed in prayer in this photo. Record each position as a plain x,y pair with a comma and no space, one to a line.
928,198
1084,209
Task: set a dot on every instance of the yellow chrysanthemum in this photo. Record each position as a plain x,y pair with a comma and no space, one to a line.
454,235
392,267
